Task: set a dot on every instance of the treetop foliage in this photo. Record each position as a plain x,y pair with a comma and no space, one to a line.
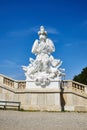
82,77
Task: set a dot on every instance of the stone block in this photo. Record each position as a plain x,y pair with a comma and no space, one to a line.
53,84
81,108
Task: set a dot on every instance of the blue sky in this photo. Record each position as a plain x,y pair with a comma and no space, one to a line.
65,21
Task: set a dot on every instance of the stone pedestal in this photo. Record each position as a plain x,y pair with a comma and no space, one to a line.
43,99
53,84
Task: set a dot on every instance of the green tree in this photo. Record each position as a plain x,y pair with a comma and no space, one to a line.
82,77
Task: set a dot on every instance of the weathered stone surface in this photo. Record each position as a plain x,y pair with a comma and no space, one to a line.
71,98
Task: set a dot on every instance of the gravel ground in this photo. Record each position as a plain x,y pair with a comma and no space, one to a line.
17,120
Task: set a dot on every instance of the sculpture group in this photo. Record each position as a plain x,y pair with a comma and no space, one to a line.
44,68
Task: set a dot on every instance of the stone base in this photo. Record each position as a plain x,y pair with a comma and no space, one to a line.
42,98
42,101
53,84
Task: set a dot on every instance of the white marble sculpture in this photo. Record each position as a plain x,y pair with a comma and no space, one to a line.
44,68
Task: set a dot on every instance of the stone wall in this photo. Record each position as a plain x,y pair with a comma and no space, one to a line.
75,96
71,97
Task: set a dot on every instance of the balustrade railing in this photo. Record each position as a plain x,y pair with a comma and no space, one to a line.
8,82
75,86
66,84
21,85
78,86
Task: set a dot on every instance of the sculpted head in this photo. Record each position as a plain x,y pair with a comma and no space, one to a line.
42,34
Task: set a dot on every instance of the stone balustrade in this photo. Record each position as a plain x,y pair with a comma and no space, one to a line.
78,86
4,80
21,85
74,86
8,82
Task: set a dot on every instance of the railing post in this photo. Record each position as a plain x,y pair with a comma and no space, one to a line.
15,84
1,80
85,89
69,84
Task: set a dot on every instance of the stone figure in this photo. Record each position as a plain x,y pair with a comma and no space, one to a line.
43,45
44,67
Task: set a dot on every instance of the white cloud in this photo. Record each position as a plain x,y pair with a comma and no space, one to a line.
17,76
68,44
25,32
11,69
8,64
52,30
34,29
19,33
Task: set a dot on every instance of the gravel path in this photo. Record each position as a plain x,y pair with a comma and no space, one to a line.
17,120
